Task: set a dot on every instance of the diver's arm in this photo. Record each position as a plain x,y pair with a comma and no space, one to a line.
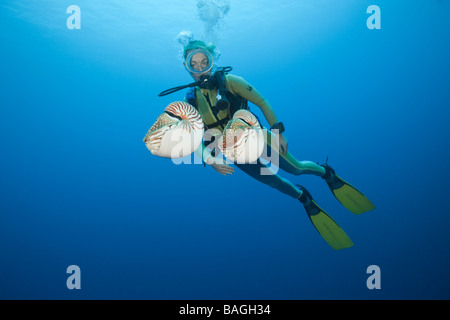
237,85
218,164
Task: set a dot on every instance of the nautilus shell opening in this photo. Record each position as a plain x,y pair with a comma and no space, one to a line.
176,133
243,138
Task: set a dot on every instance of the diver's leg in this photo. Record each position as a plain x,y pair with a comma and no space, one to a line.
288,162
353,199
274,180
324,224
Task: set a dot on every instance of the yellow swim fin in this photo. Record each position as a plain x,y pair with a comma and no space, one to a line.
350,197
324,224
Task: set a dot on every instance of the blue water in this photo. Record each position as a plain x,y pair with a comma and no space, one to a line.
79,187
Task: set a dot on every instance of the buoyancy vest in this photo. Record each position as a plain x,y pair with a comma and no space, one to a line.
216,116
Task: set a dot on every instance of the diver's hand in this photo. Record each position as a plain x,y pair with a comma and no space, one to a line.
283,143
220,166
223,168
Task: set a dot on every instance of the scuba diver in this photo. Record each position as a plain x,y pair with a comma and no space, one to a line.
217,95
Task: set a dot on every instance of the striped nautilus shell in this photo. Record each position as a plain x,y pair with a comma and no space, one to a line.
177,132
243,139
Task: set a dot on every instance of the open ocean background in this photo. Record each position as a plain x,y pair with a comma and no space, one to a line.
79,187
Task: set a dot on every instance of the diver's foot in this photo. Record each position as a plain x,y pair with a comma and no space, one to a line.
350,197
306,197
324,224
329,175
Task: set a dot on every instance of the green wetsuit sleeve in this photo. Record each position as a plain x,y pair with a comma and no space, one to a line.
238,86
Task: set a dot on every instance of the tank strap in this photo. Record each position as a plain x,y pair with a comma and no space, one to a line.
236,103
191,98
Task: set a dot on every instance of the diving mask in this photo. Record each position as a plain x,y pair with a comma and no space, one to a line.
199,61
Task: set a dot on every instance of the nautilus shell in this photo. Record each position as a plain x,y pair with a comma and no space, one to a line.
177,132
243,139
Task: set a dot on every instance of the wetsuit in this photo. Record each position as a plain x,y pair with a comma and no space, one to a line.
206,100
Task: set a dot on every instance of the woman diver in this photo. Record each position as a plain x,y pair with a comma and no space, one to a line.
218,95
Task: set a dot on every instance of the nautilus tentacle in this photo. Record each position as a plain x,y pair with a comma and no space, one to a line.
243,139
177,132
